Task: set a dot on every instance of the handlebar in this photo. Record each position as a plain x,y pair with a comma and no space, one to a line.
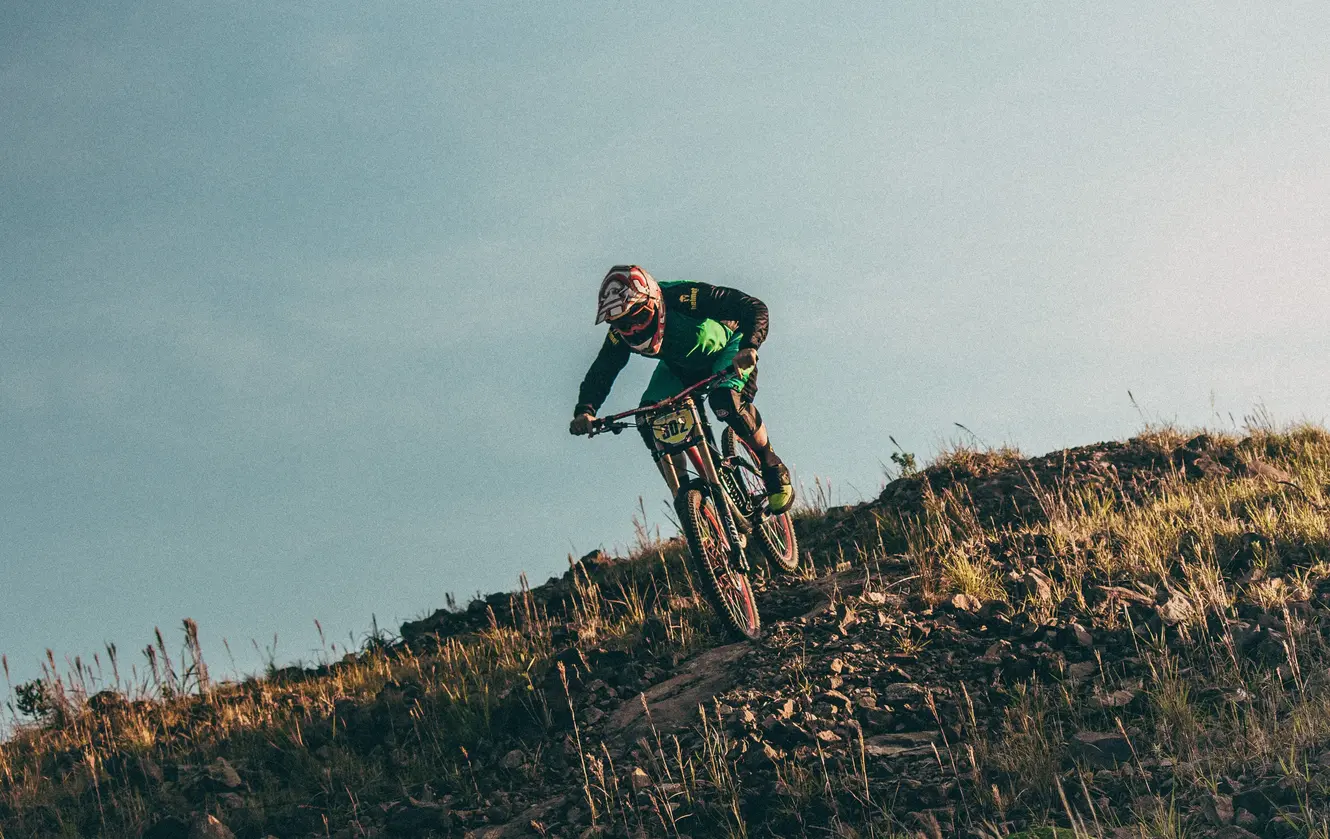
616,424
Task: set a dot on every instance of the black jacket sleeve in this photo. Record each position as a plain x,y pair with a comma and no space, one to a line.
599,379
724,304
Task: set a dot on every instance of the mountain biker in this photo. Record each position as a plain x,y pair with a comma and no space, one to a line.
695,330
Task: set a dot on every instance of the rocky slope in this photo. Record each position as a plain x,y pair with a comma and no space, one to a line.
1127,639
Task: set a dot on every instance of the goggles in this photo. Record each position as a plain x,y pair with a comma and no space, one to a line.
632,322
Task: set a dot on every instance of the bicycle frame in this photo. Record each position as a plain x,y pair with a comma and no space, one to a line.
681,435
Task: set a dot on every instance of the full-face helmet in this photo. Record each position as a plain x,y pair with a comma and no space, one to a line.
632,303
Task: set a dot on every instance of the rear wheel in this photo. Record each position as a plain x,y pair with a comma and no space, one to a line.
729,591
776,533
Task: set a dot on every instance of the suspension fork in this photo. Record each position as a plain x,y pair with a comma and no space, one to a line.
701,457
672,469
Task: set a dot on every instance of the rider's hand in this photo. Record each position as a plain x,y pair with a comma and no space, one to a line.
581,424
745,360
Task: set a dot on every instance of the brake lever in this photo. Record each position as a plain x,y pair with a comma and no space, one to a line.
602,427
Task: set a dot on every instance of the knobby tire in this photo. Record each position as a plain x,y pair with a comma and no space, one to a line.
776,534
730,592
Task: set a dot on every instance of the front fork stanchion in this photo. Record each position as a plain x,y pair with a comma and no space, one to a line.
671,470
708,466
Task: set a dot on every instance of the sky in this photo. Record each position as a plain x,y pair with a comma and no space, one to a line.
295,297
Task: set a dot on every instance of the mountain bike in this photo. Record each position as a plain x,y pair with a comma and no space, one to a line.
720,504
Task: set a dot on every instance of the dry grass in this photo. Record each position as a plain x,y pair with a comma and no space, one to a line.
1252,546
72,770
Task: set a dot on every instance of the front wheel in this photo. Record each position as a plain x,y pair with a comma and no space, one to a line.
728,590
776,533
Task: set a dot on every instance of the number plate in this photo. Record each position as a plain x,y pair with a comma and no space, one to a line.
674,428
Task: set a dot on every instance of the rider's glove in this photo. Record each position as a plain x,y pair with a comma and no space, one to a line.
581,424
745,360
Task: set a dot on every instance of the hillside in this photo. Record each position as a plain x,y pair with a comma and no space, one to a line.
1119,640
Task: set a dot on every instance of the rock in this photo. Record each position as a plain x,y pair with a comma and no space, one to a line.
903,692
786,733
1234,832
146,772
207,827
764,757
1116,699
1260,469
846,617
1175,610
513,760
837,699
1200,443
1207,467
107,702
900,745
1101,749
1038,585
1082,669
1082,635
595,560
1263,799
640,779
1217,809
887,751
1120,594
966,603
674,702
524,825
222,775
827,736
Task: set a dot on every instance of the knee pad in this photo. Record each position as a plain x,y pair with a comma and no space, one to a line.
729,406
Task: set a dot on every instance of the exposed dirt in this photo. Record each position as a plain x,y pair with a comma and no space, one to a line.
869,704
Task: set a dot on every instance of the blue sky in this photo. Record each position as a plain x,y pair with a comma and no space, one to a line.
295,297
